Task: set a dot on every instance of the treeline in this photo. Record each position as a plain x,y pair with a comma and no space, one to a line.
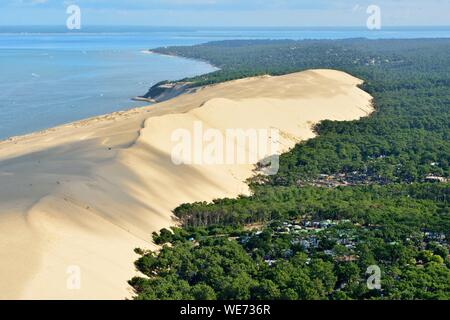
415,206
394,213
244,58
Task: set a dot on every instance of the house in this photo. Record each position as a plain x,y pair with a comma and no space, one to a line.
432,178
347,258
288,253
305,244
270,262
326,223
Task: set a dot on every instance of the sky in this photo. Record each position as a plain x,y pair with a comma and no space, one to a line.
288,13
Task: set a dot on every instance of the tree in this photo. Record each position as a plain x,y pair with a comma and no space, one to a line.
203,292
265,290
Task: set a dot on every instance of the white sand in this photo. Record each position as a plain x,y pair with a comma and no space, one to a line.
67,200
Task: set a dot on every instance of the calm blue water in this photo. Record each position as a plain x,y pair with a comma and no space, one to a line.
50,77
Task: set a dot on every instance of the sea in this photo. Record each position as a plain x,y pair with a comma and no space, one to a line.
50,76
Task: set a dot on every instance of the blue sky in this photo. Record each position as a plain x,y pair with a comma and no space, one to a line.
226,12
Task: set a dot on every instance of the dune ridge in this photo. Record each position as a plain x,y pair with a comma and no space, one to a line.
84,195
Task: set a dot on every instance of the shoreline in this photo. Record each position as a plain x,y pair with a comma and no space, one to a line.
81,122
174,91
152,51
106,115
122,107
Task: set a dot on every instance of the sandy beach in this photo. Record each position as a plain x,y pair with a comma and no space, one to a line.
84,195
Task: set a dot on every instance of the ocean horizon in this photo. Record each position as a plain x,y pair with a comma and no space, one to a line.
51,76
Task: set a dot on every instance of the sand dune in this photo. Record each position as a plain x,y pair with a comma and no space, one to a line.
82,196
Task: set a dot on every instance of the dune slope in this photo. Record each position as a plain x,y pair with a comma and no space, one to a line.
77,199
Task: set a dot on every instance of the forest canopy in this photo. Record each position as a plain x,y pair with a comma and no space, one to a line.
372,192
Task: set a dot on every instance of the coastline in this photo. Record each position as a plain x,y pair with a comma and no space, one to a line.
152,51
91,191
117,76
177,88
